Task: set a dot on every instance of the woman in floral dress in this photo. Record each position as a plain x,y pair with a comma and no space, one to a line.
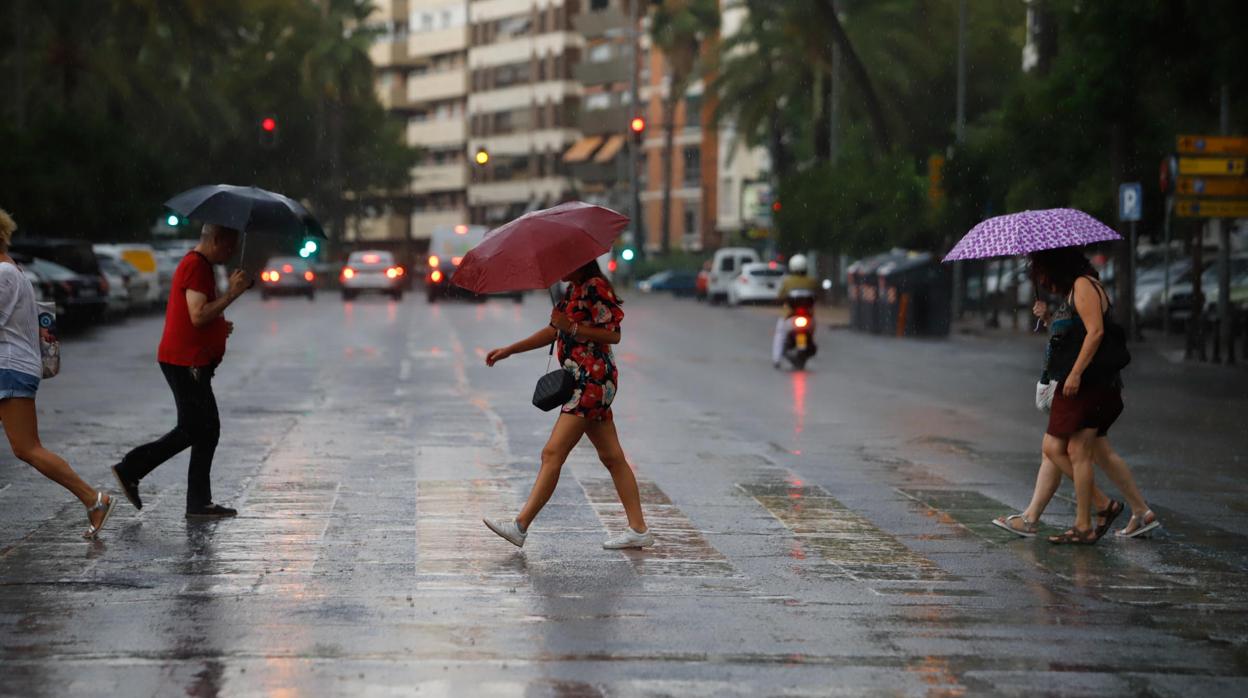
586,323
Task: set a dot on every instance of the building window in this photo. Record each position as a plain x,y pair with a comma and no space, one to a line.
600,53
693,111
693,165
691,218
596,5
602,100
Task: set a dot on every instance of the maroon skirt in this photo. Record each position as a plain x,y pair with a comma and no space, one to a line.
1093,407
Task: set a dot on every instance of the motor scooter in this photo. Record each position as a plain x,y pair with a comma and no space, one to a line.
799,339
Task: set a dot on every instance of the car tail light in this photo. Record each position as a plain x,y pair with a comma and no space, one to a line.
103,285
309,276
801,321
287,269
274,277
436,276
392,273
434,261
372,258
456,260
348,273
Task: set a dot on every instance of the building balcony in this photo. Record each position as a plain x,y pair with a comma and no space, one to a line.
434,42
392,97
614,70
435,86
428,178
591,24
518,191
385,53
384,227
605,121
436,132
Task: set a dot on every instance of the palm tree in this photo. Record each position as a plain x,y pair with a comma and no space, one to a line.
680,29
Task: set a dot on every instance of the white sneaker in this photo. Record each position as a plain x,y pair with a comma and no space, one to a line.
509,529
629,539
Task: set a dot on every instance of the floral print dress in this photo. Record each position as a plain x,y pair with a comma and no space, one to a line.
590,304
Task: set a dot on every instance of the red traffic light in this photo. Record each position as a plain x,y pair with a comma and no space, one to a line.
637,125
775,206
269,124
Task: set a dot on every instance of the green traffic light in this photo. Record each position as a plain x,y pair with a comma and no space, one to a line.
172,220
310,246
628,254
305,253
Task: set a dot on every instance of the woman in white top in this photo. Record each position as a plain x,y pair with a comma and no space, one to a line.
21,367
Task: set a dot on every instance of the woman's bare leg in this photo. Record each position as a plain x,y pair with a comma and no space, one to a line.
607,441
1051,444
1079,450
1116,468
1048,479
21,426
568,430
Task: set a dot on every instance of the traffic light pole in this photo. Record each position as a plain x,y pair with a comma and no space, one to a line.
639,228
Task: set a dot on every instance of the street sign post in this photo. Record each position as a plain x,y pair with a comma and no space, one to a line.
1213,145
1212,177
1130,209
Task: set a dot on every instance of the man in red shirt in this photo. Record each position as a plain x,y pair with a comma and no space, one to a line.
190,350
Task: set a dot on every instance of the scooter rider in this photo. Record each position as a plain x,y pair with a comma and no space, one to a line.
795,280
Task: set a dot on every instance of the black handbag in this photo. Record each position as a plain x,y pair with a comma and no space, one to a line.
1111,356
555,388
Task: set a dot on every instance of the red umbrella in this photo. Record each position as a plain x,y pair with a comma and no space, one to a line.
539,248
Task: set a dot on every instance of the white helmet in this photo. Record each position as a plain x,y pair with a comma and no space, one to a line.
797,264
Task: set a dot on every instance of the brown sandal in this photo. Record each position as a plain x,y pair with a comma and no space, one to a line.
1073,536
1109,513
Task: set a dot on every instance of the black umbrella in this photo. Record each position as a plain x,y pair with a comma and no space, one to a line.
247,209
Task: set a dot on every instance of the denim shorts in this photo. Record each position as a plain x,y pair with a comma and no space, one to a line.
17,384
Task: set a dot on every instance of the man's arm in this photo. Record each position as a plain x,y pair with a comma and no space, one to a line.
203,311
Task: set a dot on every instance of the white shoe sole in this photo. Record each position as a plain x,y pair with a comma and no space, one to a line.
631,545
504,536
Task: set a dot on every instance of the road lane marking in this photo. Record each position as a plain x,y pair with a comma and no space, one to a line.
848,545
680,549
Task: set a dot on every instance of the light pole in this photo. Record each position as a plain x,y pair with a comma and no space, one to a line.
959,131
634,100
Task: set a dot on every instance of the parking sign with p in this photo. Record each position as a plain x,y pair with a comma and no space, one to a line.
1130,201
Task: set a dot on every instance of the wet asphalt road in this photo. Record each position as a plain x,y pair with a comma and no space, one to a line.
820,533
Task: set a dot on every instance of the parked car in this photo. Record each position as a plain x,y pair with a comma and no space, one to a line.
143,259
79,298
758,282
678,283
701,287
1150,285
1180,304
371,271
290,276
725,268
127,288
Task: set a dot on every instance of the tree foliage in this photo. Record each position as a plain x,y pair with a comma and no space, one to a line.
115,105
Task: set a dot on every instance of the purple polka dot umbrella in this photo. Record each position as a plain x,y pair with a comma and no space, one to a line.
1031,231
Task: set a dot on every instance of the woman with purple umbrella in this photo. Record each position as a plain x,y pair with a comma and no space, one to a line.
1086,402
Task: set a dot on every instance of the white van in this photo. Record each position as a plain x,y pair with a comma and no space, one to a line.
725,266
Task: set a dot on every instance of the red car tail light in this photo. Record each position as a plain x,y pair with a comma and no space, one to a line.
801,321
309,276
436,276
348,273
434,261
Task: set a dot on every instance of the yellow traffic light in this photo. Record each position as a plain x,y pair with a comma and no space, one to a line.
482,157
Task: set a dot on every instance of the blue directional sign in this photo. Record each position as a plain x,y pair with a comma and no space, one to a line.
1130,201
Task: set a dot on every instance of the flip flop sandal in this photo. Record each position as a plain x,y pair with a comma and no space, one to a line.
1111,512
1029,529
1073,536
100,505
1140,530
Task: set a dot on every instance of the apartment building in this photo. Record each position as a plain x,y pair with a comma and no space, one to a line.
522,105
421,62
599,160
695,160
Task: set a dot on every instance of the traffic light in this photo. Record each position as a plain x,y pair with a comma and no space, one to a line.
268,132
637,126
482,157
310,247
173,220
628,254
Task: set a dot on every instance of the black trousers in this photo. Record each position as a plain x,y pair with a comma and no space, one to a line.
199,428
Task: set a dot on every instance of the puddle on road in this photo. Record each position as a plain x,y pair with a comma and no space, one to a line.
848,545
